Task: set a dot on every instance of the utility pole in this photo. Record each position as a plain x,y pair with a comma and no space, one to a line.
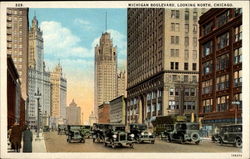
38,95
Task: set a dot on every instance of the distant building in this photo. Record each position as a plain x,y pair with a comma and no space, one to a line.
58,95
220,85
121,84
118,110
103,113
105,71
73,114
92,119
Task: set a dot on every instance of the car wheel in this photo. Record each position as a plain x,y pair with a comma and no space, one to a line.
238,143
220,141
182,140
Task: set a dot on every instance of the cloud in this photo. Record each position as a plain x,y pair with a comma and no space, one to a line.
84,24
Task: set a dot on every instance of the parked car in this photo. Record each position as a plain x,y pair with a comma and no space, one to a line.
141,134
182,132
86,130
62,129
74,133
230,134
46,129
98,132
117,136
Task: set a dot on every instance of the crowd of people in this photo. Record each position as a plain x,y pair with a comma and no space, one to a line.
16,134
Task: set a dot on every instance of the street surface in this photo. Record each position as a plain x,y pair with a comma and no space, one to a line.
58,143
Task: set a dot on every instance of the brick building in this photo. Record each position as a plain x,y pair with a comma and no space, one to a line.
220,67
103,113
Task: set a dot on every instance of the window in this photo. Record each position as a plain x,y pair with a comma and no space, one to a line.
186,15
207,67
192,91
223,41
194,67
172,26
185,78
186,28
174,77
237,78
177,91
207,48
194,54
195,41
175,27
222,62
174,52
171,104
238,97
207,28
222,19
237,11
195,15
176,65
186,41
185,66
207,105
207,86
237,55
171,91
194,79
222,82
238,33
172,65
195,28
175,14
222,104
186,54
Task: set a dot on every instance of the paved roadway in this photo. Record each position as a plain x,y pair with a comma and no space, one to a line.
58,143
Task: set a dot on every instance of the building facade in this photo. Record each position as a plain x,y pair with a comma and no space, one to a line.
17,43
73,114
105,71
92,119
58,96
118,110
121,83
38,78
220,82
104,113
162,63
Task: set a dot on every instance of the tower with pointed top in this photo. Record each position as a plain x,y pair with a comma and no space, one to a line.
73,114
105,71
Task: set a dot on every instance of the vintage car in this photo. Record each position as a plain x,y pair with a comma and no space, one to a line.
182,132
116,135
98,132
46,129
230,134
141,134
86,130
74,133
62,129
215,135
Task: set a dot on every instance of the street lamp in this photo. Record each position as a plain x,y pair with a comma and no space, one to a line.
38,95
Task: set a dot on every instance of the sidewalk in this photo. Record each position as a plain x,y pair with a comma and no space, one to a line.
38,145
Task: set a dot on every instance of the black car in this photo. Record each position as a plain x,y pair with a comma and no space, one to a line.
116,135
75,134
62,129
98,132
230,134
141,134
182,132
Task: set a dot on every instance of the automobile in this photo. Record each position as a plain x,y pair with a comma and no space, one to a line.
182,132
231,134
61,129
46,129
116,135
86,130
75,134
215,135
98,132
141,134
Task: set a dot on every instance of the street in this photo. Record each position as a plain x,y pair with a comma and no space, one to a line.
58,143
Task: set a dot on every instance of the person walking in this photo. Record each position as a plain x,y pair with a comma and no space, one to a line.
27,140
16,137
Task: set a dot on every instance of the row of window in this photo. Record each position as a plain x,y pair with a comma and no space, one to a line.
188,105
187,91
175,66
176,39
176,27
176,53
176,78
175,14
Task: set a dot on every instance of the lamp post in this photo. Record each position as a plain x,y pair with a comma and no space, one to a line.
38,95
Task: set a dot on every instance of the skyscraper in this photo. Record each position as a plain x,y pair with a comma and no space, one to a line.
17,43
162,63
73,114
105,71
121,84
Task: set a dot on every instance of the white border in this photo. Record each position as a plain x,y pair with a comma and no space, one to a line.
120,4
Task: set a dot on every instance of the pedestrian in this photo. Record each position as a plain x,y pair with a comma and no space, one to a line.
27,140
16,137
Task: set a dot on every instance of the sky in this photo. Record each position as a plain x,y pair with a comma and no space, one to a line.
70,36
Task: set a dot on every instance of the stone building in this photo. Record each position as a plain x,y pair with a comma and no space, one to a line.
58,96
17,45
220,82
118,110
73,114
105,71
162,63
121,83
92,119
104,113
